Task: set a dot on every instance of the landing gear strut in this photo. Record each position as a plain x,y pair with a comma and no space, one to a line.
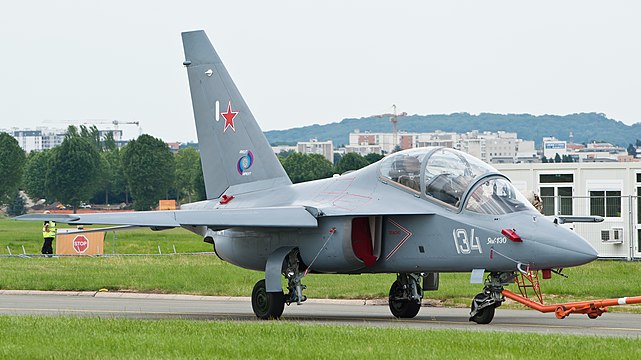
294,274
485,303
405,296
270,304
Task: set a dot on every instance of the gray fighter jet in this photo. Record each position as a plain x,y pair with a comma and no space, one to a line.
415,213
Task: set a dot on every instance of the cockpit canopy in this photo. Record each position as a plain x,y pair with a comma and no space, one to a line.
445,175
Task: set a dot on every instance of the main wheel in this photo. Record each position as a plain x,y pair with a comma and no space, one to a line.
267,305
485,315
402,308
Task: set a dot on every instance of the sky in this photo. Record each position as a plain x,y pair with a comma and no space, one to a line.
306,62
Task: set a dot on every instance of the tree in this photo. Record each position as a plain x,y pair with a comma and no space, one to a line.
373,157
337,158
73,170
149,168
632,150
187,161
16,208
285,153
306,167
544,159
91,134
557,158
351,161
199,184
34,174
12,160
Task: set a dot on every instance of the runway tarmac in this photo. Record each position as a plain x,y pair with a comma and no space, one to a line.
338,312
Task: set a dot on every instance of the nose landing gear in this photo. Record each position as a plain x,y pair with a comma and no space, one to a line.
484,304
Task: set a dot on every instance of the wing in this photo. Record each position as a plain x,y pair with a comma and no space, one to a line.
288,216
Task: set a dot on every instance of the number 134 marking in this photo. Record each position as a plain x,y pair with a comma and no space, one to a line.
465,244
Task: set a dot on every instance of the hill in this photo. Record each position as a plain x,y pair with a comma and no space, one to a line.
587,127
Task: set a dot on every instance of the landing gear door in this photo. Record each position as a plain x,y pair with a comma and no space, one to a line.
376,229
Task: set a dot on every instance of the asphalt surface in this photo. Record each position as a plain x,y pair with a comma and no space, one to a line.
338,312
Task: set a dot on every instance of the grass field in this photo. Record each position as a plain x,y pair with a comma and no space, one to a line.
208,275
95,338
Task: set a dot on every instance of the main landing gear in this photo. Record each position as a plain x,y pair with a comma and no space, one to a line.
485,303
405,296
270,305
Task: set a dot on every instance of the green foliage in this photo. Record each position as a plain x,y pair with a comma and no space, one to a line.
92,135
285,153
373,157
187,161
109,144
73,171
306,167
199,184
351,161
17,206
12,160
557,158
337,158
149,168
586,126
632,150
34,174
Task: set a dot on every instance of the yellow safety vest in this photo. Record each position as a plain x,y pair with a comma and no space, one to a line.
51,232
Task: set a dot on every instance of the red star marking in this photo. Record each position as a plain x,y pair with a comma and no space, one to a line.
229,117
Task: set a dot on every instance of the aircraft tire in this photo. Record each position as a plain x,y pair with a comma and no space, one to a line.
484,316
267,305
402,308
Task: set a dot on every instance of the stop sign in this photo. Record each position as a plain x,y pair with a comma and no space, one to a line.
80,244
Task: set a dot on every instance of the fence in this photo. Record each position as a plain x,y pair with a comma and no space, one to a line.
618,236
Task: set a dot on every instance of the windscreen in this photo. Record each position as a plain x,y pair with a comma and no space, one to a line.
496,196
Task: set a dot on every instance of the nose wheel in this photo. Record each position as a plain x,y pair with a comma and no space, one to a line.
485,303
483,309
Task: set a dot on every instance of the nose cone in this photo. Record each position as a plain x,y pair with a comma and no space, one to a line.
580,251
566,249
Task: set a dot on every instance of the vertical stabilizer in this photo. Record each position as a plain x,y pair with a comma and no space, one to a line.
233,150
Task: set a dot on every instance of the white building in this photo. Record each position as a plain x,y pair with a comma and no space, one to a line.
553,146
490,147
280,148
601,152
42,138
363,150
325,148
610,190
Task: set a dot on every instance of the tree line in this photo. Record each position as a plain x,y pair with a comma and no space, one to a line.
88,169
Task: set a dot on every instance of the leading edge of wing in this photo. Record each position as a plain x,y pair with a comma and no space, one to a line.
291,216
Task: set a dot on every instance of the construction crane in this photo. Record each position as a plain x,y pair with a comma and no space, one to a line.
393,118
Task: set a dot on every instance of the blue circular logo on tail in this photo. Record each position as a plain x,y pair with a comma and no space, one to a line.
244,163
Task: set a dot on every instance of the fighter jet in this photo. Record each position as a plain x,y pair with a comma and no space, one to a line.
416,213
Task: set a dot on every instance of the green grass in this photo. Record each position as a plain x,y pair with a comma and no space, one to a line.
17,234
96,338
208,275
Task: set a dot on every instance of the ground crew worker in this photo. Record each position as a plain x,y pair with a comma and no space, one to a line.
48,234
